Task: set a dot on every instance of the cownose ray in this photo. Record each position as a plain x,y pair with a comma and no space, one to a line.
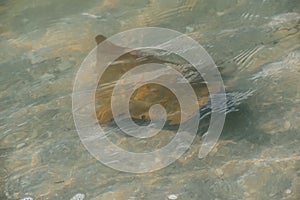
147,95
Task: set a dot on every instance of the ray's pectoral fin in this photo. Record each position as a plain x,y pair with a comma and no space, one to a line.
113,48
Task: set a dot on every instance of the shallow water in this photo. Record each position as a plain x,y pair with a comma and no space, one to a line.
256,44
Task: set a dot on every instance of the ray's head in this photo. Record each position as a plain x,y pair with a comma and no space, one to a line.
100,38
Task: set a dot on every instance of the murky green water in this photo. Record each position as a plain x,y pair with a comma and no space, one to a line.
255,43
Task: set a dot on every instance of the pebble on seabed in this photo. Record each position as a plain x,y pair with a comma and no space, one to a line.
288,191
27,198
172,197
78,196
